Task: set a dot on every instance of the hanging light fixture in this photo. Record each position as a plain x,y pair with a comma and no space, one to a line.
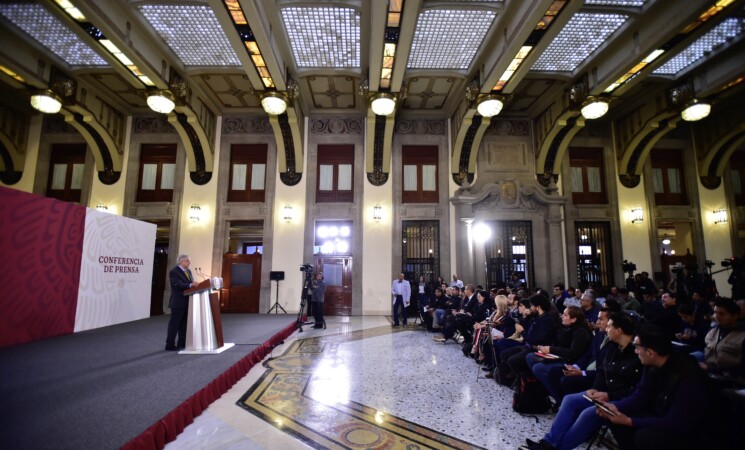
161,101
274,103
490,105
46,101
695,110
383,104
594,107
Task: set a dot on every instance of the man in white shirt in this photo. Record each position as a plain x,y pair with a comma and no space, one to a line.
456,282
401,292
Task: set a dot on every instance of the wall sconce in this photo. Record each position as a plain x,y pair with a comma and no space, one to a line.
637,215
161,101
377,213
287,213
194,213
695,110
720,216
102,207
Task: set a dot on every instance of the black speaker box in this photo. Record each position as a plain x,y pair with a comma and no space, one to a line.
277,276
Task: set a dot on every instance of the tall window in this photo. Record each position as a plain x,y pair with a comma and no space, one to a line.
509,250
594,254
588,182
66,171
157,173
667,177
419,174
335,173
247,173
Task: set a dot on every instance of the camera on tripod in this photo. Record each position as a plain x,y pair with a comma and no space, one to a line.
734,262
307,268
628,267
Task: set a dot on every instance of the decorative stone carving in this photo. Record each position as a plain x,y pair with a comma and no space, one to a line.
505,127
629,180
336,126
290,178
545,179
436,127
246,125
55,124
377,177
506,194
152,125
711,182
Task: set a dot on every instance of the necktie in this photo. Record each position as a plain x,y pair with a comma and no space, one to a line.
188,275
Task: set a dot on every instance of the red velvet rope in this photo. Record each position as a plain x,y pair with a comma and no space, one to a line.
172,424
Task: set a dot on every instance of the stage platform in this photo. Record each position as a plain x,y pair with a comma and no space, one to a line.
115,387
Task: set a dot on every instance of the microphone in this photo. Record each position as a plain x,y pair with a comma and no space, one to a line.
201,274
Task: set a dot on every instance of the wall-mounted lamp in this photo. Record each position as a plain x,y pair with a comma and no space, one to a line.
695,110
720,216
194,213
287,213
274,103
161,101
490,105
102,207
594,107
383,103
46,101
637,215
377,213
481,232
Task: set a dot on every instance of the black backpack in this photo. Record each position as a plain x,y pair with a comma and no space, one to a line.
530,396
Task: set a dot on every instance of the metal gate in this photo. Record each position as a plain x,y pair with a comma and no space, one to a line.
420,249
594,254
510,250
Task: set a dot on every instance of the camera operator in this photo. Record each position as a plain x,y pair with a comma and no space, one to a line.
319,290
737,277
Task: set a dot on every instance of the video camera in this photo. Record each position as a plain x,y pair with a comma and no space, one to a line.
734,262
307,268
628,267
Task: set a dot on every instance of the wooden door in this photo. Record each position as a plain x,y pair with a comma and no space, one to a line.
337,271
242,283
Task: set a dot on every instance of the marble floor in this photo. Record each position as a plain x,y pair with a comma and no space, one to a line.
362,384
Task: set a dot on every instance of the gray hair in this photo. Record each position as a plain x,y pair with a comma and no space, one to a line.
590,295
181,258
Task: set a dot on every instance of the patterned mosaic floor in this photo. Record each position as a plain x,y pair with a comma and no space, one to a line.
361,385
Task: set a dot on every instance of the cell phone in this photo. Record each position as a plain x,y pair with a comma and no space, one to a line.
600,405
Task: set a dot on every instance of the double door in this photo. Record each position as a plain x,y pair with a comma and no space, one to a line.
337,272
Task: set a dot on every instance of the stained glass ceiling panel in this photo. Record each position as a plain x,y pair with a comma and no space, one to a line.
193,33
703,46
581,36
50,32
324,37
448,39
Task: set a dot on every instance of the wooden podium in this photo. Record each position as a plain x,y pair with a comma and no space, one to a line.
204,327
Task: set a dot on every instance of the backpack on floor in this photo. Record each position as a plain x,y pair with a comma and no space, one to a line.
530,396
503,375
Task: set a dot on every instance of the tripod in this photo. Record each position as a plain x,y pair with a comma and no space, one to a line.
276,306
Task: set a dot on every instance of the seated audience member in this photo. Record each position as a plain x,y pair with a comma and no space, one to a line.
651,306
693,329
668,320
515,340
480,314
613,294
617,377
461,320
668,406
452,303
501,326
563,379
725,343
437,303
572,299
542,331
701,306
628,302
572,342
589,306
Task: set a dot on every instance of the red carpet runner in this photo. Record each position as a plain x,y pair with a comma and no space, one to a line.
173,423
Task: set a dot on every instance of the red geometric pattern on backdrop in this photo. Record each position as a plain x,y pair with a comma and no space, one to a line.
41,241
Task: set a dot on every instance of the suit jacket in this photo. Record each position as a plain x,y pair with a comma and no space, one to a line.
179,283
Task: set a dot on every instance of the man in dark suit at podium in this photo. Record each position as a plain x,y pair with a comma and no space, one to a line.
181,279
